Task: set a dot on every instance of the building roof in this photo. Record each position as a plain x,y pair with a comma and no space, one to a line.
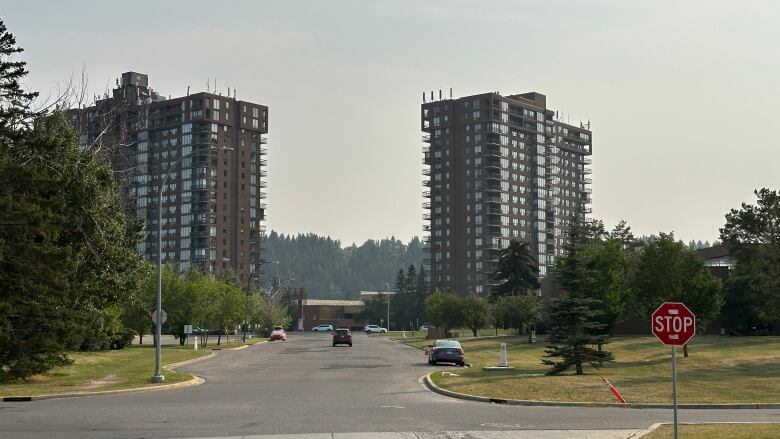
715,252
377,293
331,302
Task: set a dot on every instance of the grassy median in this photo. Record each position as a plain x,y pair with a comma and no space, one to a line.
128,368
718,431
719,370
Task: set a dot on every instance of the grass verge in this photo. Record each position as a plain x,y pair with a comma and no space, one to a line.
718,431
719,370
105,370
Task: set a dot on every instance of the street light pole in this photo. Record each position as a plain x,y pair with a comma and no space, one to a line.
158,377
388,305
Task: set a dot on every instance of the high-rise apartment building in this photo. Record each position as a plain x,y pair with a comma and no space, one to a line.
499,168
206,151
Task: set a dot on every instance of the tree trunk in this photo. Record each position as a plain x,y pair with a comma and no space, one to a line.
474,330
601,362
182,339
579,368
219,336
140,338
685,350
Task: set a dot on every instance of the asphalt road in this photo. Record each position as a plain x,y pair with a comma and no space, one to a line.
306,386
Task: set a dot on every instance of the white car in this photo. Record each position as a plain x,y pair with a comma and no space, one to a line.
323,328
374,329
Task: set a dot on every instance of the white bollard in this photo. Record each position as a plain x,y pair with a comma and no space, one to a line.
502,356
196,342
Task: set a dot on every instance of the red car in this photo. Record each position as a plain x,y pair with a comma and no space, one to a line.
278,334
342,336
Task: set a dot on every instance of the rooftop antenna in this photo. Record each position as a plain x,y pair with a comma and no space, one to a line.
423,97
208,82
450,92
215,85
117,82
228,95
431,95
234,93
439,94
188,90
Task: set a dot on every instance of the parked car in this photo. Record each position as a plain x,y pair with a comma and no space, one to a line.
278,333
342,336
374,329
323,328
446,351
425,327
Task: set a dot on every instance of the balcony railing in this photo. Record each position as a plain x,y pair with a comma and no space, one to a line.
585,180
587,190
426,217
426,183
426,227
426,205
426,172
426,138
584,160
426,194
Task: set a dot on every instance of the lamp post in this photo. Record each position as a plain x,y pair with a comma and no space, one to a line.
158,377
387,284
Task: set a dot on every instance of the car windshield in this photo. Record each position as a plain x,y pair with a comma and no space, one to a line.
278,328
447,344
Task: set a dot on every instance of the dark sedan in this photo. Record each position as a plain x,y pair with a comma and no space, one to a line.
446,351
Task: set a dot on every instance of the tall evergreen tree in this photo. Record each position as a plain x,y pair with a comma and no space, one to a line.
575,328
517,270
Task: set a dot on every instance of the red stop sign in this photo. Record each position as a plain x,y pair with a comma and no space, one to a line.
673,323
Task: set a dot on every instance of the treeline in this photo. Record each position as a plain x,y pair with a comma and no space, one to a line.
324,269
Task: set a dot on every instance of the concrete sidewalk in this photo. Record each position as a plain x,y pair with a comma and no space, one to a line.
506,434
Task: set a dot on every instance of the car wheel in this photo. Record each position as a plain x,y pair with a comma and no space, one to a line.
334,345
350,345
433,362
462,364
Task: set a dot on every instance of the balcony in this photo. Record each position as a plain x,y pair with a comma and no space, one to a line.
586,171
586,199
587,190
426,138
426,194
584,160
426,183
426,228
491,151
587,210
584,180
426,205
426,172
492,174
263,141
262,195
493,199
492,164
426,217
263,151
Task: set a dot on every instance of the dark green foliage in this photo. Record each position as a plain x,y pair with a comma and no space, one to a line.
575,329
67,253
517,270
444,310
15,112
668,271
516,311
327,270
408,304
475,311
752,236
598,265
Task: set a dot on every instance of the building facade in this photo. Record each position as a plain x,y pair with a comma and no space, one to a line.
204,154
499,168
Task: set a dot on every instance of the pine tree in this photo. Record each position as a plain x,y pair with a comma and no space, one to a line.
517,270
575,329
15,112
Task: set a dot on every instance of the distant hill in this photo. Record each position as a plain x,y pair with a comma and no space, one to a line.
326,270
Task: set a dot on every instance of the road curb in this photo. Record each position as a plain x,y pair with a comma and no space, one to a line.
196,380
528,402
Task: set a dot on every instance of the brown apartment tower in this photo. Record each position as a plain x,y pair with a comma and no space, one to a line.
499,168
208,151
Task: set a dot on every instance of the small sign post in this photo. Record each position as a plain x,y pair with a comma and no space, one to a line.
674,324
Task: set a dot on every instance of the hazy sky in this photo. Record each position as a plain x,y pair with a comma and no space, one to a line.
682,96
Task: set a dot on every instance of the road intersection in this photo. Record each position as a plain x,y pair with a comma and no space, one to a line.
306,386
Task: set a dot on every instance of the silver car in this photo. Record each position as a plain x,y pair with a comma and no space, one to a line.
446,351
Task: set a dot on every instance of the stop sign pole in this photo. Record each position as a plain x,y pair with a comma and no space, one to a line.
674,324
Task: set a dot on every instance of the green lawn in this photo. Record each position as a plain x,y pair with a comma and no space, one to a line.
105,370
719,370
718,431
